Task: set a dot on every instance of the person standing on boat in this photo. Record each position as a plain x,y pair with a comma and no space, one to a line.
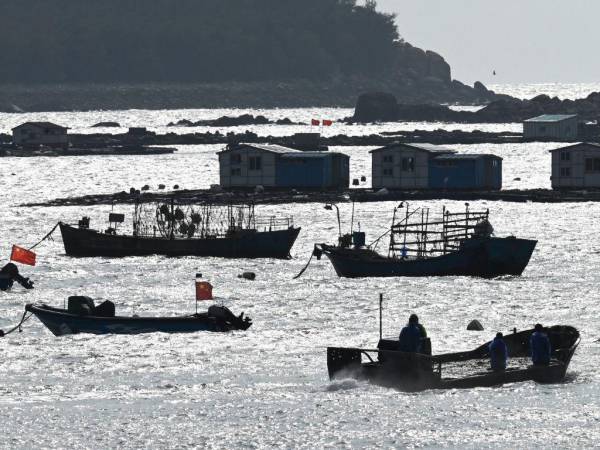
540,346
498,353
411,335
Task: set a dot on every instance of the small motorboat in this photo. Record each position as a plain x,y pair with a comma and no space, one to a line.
411,372
82,316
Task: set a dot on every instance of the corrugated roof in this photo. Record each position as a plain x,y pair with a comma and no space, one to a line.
309,154
552,118
466,156
431,148
272,148
41,125
579,144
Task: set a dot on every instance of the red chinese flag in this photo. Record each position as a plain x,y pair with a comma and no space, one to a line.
203,290
22,255
315,122
327,122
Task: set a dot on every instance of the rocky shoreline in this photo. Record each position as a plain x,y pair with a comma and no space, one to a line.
219,197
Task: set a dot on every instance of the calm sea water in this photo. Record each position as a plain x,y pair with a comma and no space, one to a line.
268,387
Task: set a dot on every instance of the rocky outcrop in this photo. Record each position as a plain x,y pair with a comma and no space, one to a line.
376,107
227,121
504,110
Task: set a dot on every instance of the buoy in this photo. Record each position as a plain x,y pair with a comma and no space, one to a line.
145,187
161,186
355,182
475,325
176,186
363,178
248,276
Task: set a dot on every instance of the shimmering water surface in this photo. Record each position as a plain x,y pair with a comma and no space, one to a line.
268,386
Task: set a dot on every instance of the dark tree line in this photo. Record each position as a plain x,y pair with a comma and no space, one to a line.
191,40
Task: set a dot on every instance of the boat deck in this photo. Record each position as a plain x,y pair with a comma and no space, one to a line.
475,367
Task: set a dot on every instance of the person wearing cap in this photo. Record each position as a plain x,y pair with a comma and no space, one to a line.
410,336
498,353
539,344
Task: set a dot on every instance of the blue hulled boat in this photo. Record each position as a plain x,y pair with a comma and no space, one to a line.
83,317
458,244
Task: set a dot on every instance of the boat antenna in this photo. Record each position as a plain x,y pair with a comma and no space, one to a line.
352,220
329,207
380,316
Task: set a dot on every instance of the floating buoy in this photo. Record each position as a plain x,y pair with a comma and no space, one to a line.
248,276
145,187
475,325
161,186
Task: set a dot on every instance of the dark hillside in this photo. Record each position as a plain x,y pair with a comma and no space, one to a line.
107,54
191,40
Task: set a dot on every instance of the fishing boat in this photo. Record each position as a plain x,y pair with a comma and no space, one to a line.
208,230
82,316
386,366
455,244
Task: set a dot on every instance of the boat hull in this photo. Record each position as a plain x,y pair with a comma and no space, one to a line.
61,323
259,244
489,257
416,372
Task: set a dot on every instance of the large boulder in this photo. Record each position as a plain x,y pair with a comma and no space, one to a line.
437,67
376,107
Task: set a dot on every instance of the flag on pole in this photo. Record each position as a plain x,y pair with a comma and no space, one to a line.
327,122
315,122
22,255
203,290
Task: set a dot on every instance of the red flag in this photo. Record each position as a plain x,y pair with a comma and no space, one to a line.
327,122
22,255
203,290
315,122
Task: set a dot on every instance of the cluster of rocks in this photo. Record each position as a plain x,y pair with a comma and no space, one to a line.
271,196
384,107
226,121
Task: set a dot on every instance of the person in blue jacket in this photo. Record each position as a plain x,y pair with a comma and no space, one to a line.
410,336
498,353
540,346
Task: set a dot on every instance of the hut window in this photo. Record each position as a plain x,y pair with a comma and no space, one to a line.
565,156
494,163
236,172
565,171
235,158
592,164
408,164
388,158
255,163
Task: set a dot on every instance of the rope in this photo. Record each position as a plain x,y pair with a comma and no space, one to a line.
306,266
24,319
45,237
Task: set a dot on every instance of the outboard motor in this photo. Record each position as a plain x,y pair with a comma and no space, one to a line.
224,314
9,274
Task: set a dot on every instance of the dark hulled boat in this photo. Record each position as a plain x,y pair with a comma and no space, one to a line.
102,320
458,244
389,367
177,233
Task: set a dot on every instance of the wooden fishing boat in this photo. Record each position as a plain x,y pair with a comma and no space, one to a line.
457,244
175,232
83,317
389,367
